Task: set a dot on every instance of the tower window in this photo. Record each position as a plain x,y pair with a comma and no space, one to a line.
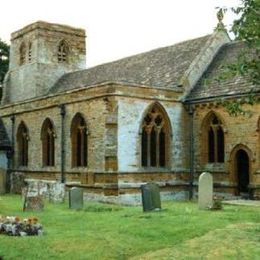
22,54
155,138
22,143
79,142
48,143
30,52
63,52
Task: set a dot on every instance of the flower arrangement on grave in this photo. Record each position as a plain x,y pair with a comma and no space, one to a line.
15,226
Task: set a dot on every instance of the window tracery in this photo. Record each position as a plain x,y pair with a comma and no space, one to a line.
215,140
48,143
22,144
79,142
155,139
63,51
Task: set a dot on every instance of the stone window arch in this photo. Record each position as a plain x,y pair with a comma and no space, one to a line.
22,144
155,138
63,51
213,141
48,143
22,53
79,141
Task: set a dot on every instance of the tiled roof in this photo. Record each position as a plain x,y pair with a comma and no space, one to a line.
4,140
217,81
161,68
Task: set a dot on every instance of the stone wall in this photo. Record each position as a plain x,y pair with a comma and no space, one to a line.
35,77
240,132
131,112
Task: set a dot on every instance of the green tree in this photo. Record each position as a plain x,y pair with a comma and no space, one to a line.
4,59
247,28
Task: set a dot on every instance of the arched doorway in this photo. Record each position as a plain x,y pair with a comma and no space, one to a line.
242,170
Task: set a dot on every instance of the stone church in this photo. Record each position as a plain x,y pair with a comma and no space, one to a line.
160,116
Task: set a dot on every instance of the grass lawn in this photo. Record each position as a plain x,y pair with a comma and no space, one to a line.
103,231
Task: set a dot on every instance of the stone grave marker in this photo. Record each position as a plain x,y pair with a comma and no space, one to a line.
151,199
205,191
33,200
76,198
56,192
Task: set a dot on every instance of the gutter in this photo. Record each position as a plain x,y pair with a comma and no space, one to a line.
220,97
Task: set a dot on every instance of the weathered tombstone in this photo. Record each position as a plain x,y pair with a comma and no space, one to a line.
205,191
56,192
151,197
76,198
32,198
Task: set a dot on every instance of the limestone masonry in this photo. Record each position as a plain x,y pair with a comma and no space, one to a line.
159,117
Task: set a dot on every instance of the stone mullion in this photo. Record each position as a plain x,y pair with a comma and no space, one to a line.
148,148
51,161
157,147
82,147
215,144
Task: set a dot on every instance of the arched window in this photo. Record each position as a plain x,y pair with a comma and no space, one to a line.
63,51
22,144
48,143
79,142
155,138
215,143
30,52
22,51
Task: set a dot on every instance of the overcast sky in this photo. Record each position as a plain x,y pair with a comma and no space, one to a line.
119,28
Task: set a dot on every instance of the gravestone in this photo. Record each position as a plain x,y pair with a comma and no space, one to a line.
205,191
56,192
76,198
33,200
151,197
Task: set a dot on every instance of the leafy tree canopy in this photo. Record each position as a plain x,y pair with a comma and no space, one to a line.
247,28
4,59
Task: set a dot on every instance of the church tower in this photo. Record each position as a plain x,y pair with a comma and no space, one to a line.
40,54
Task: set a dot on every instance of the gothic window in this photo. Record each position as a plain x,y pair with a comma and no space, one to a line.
30,52
215,140
48,143
155,138
63,51
22,53
22,144
79,142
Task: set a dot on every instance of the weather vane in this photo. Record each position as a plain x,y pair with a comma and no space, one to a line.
220,16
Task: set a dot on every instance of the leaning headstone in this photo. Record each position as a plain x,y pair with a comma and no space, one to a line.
205,191
151,199
76,198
